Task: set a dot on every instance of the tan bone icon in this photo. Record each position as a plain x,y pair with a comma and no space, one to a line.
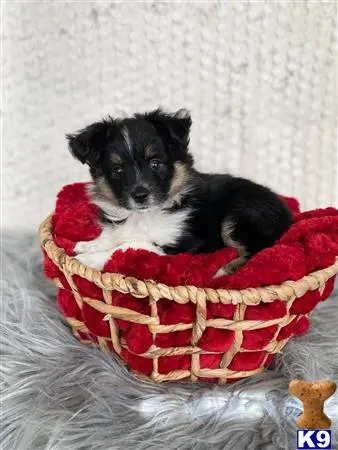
313,396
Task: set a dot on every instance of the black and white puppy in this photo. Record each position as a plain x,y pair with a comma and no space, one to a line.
151,197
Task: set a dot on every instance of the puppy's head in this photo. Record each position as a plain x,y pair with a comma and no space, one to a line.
139,162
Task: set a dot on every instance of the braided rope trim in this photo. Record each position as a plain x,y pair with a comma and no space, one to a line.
286,291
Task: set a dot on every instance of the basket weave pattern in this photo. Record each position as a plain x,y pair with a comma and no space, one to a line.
151,292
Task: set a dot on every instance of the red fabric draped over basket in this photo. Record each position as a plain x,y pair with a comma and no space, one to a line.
309,245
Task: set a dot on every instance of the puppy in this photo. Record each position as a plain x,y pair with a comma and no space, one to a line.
150,196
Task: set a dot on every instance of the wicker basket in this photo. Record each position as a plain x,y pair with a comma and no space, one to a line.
152,292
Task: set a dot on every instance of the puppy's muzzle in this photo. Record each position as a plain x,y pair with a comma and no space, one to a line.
140,194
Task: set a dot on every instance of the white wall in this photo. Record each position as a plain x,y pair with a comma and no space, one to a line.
259,79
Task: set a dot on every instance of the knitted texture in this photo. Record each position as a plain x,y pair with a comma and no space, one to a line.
259,79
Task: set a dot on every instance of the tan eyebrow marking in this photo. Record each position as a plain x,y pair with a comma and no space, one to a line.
149,151
115,159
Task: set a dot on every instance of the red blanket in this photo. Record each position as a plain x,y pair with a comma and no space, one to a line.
310,244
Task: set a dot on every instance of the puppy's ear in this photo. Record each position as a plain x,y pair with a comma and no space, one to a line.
174,128
86,144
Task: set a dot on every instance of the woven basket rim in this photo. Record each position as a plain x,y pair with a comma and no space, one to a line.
180,294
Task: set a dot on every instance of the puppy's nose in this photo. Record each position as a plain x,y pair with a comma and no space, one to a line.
140,194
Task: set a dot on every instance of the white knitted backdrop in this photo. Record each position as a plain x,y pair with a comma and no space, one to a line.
259,79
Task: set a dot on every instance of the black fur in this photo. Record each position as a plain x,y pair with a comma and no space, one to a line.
258,215
140,182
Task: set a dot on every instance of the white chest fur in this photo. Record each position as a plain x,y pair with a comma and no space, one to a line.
159,227
147,230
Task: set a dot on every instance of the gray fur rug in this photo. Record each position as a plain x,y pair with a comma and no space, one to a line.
59,394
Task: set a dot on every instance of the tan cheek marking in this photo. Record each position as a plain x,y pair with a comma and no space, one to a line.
180,178
102,189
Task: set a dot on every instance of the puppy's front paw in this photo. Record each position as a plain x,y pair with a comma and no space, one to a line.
84,247
95,260
231,267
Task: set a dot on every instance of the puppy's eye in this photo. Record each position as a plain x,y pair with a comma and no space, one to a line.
155,164
117,171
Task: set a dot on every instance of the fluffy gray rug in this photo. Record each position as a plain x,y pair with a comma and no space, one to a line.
59,394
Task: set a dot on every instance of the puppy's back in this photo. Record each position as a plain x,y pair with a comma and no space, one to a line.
256,216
